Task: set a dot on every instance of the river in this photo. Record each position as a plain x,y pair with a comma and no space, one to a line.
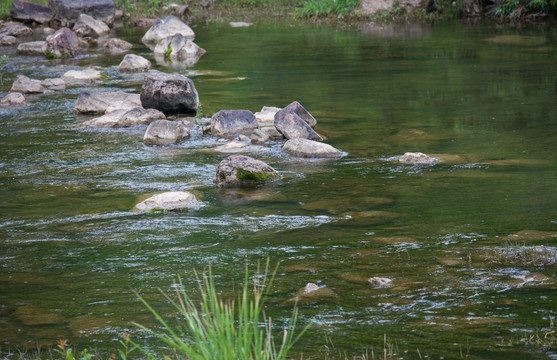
72,250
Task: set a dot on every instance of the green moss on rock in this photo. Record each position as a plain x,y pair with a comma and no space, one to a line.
258,176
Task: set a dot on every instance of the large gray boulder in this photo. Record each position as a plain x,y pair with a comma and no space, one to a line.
32,48
66,12
296,108
97,102
166,26
25,85
125,118
165,132
169,93
240,170
64,43
29,12
232,123
134,63
86,25
178,48
310,148
170,201
293,126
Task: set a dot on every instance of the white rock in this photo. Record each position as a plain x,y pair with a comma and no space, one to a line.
237,24
13,98
82,75
134,63
310,148
417,158
172,200
266,117
378,281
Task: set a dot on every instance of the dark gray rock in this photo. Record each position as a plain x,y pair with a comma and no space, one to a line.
66,12
166,26
231,123
27,11
169,93
310,148
292,126
240,171
64,43
32,48
134,63
165,132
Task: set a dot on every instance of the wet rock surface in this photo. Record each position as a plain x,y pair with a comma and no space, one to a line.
97,102
23,84
169,93
125,118
239,170
165,132
170,201
231,123
311,149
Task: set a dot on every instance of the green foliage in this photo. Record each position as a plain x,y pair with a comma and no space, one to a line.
168,52
515,8
222,328
327,7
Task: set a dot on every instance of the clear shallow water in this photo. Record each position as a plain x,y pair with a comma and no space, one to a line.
73,250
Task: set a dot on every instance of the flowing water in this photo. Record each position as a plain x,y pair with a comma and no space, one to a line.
73,251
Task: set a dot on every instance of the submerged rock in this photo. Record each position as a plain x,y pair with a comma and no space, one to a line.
530,236
417,158
32,48
86,25
134,63
238,24
532,279
97,102
169,93
165,132
239,170
311,293
32,315
231,123
171,200
64,43
23,84
27,11
166,26
369,217
379,281
310,148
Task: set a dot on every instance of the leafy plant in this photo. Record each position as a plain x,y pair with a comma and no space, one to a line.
222,328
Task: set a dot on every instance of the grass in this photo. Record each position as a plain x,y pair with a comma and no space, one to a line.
224,328
516,253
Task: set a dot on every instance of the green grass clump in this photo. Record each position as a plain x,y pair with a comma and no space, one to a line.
221,328
327,7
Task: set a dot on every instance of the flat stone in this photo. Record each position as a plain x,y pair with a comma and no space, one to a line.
54,84
417,158
13,98
23,84
97,102
311,149
172,200
32,48
126,118
15,29
8,40
82,75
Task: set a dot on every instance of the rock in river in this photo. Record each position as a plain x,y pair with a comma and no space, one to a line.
13,98
292,126
166,26
64,43
125,118
297,108
417,158
97,102
134,63
27,11
86,25
231,123
25,85
169,93
178,48
239,170
165,132
66,12
118,45
311,293
82,75
310,148
171,200
32,48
